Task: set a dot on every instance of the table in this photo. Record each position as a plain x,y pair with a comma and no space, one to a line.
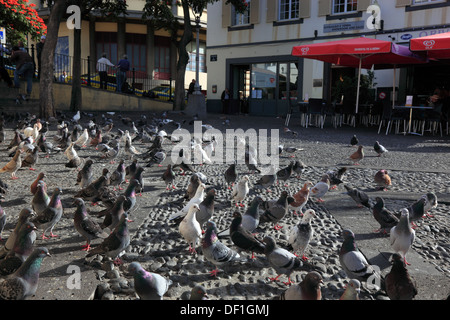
411,108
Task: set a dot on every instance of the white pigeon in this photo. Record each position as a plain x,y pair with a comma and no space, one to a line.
190,228
196,199
82,139
240,191
200,155
131,150
402,235
210,148
320,188
76,117
301,234
70,152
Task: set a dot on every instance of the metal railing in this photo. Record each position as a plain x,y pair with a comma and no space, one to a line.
138,83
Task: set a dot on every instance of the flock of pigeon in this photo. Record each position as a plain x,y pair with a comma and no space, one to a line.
117,193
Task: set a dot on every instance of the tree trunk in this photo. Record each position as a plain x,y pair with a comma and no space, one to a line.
183,58
46,104
75,100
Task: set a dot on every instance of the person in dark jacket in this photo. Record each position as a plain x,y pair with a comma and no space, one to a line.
24,67
122,67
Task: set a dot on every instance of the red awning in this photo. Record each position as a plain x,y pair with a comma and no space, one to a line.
436,46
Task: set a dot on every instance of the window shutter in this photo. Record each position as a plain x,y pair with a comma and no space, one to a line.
271,15
254,11
305,8
364,4
324,7
226,15
403,3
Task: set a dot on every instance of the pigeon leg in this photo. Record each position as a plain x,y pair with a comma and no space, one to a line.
406,262
86,247
289,282
43,237
278,227
276,278
429,215
52,235
304,258
118,261
32,169
333,187
320,200
214,272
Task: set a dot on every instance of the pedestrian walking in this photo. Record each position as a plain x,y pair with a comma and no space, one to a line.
121,76
225,98
24,68
102,69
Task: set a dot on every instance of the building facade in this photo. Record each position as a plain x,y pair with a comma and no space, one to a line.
251,53
150,52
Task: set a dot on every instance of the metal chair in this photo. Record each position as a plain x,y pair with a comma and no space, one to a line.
315,109
390,117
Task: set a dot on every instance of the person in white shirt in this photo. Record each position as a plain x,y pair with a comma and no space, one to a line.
102,65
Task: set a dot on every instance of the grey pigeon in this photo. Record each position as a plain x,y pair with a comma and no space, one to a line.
285,174
34,184
148,285
206,208
251,217
47,219
192,187
198,292
87,227
383,216
298,168
379,149
115,243
360,197
130,195
354,141
230,175
283,261
22,248
244,239
118,176
352,290
275,210
402,235
169,177
40,199
399,283
353,261
139,176
215,251
113,215
86,174
24,282
190,228
30,159
420,208
308,289
301,234
320,188
131,169
92,191
267,180
336,177
25,215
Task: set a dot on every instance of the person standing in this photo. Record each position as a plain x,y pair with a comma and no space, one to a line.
225,98
24,67
191,88
39,48
122,67
102,67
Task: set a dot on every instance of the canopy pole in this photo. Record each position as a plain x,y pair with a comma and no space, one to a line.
359,83
393,87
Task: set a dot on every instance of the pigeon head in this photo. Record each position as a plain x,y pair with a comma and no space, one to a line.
237,214
78,202
348,234
355,284
396,257
309,214
314,279
404,212
135,267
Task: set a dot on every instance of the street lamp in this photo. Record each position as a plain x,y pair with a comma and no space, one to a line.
197,11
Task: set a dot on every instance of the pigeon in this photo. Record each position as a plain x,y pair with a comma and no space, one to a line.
191,189
300,198
131,150
352,290
231,175
240,191
199,196
76,117
23,246
49,217
139,176
130,195
148,285
169,177
85,175
251,162
113,215
283,261
210,147
420,208
360,197
382,179
354,141
190,229
70,152
25,215
2,221
108,152
97,139
131,169
87,227
206,208
353,261
336,177
118,176
46,146
290,132
200,155
399,283
157,157
24,282
431,203
3,189
402,235
13,165
379,149
275,210
320,188
357,156
285,173
115,243
251,217
34,184
215,251
40,199
244,239
30,159
298,168
301,234
308,289
92,191
82,139
198,292
383,216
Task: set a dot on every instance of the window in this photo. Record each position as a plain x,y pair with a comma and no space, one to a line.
344,6
426,1
107,43
289,9
137,51
192,50
275,80
239,19
162,58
